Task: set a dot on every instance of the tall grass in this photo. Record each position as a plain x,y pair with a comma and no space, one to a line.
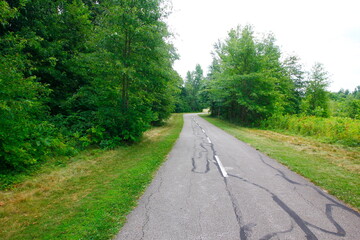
345,131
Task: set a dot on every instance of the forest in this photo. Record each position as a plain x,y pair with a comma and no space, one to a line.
82,73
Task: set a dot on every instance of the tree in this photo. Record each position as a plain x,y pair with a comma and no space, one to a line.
58,31
345,103
129,68
356,92
316,101
84,71
25,135
246,78
294,71
193,87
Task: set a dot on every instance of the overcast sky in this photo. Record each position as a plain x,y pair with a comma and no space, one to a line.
325,31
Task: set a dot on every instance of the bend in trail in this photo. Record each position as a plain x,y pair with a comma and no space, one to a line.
214,186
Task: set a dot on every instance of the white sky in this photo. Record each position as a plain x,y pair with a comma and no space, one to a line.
325,31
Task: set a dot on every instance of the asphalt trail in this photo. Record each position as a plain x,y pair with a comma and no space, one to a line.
214,186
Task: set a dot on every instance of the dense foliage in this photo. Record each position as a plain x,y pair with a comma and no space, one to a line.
345,103
250,81
247,80
192,97
81,72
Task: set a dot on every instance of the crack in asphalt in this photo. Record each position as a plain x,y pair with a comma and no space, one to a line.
199,223
298,220
340,231
198,154
295,190
246,229
147,208
212,147
304,225
328,207
271,235
201,161
189,192
237,211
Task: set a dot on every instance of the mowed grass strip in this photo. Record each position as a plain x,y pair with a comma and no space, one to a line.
90,197
333,168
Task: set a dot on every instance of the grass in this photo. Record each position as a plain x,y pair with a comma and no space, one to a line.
332,167
89,197
340,130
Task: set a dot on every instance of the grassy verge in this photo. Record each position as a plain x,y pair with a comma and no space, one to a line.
345,131
331,167
90,197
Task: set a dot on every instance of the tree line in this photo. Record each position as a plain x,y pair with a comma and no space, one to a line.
250,81
79,72
346,103
75,73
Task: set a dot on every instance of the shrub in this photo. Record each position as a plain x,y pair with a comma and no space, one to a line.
25,137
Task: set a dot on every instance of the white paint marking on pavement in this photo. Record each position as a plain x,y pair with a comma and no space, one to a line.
203,130
209,140
222,169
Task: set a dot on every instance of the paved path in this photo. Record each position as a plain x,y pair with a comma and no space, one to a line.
214,186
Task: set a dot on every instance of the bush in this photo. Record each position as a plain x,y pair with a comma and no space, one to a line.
25,137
